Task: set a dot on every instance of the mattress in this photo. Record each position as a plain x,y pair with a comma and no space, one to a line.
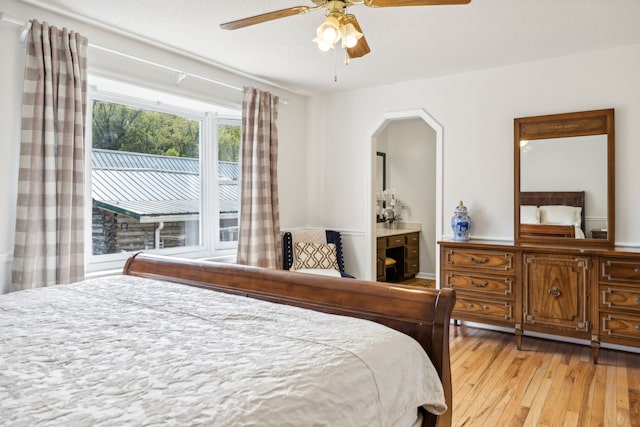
123,350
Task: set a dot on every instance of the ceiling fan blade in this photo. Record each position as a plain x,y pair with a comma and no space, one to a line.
394,3
265,17
362,47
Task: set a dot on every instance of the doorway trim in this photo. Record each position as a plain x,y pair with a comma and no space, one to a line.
382,124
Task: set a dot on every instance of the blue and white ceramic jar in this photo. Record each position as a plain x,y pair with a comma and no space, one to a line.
461,223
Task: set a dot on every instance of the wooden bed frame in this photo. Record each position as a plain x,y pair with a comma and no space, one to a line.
540,198
423,314
548,230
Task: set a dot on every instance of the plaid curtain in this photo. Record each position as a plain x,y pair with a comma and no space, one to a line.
49,240
259,242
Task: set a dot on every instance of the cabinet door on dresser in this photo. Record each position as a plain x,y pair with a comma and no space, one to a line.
484,281
556,290
619,305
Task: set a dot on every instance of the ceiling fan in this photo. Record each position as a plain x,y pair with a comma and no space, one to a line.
338,24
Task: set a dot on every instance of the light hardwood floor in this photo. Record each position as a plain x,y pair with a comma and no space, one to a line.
423,283
547,383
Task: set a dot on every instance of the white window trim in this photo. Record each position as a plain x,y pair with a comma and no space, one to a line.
211,247
223,120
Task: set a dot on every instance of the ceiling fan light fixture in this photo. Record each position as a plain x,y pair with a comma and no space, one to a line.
338,23
329,30
350,36
323,45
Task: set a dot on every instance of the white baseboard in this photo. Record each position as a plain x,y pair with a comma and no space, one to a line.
548,336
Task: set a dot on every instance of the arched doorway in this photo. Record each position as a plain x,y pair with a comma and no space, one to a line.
389,131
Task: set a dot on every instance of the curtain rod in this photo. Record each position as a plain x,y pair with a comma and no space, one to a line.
180,75
26,26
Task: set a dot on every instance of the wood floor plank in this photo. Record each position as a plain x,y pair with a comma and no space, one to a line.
633,377
561,389
598,390
514,411
486,363
571,419
547,383
610,406
622,392
553,377
581,398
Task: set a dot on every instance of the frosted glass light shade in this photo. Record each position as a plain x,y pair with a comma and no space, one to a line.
350,36
323,45
330,30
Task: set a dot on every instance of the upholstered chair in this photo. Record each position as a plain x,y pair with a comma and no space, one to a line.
313,251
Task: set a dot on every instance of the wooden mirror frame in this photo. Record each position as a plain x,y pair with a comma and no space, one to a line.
585,123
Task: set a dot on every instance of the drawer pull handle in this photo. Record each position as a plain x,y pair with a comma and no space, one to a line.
554,292
485,307
637,327
636,270
470,305
637,299
478,284
478,260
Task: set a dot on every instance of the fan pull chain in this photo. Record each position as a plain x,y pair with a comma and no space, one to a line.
335,66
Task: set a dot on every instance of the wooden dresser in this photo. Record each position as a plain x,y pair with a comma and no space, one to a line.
402,245
588,294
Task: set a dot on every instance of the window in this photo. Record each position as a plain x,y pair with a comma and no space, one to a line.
164,175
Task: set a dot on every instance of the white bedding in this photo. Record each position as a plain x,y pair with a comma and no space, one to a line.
128,351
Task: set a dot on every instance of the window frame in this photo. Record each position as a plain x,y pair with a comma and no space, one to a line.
210,246
220,119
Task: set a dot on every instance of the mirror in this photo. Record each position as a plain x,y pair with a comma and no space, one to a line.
381,167
381,184
564,179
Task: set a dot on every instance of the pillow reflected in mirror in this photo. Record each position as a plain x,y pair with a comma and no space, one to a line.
529,214
561,215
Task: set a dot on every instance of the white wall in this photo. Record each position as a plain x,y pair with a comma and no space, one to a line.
291,122
476,111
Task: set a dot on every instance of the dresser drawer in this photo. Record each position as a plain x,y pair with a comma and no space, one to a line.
486,309
487,260
413,239
612,297
411,252
381,243
621,326
412,266
620,270
497,285
395,241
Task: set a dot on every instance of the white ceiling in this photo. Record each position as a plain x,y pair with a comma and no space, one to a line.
407,43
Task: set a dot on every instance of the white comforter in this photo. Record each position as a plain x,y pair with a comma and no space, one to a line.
129,351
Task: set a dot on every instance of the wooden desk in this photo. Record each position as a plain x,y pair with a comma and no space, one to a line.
403,245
